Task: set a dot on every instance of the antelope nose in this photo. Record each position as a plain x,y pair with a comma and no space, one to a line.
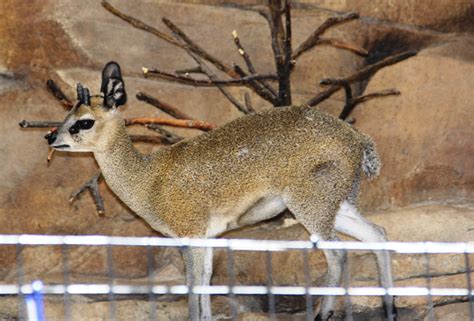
51,136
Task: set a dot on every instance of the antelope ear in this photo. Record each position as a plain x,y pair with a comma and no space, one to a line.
113,87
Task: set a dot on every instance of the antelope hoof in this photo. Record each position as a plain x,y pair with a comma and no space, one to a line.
329,317
390,315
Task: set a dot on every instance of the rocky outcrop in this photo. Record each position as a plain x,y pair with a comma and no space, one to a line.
423,136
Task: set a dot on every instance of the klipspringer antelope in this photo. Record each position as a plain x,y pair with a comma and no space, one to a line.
244,172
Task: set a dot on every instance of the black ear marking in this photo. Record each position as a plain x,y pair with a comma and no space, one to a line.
113,87
83,94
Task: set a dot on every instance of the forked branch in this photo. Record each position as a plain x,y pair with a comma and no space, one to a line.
368,71
198,50
179,34
93,186
161,105
188,44
54,89
352,102
313,39
188,80
363,74
270,92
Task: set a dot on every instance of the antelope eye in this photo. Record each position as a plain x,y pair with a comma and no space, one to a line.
85,123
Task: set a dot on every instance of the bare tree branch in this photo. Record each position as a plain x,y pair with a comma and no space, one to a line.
284,83
258,87
277,32
342,45
141,25
180,35
351,103
54,89
188,43
187,80
381,93
165,107
368,71
186,123
192,70
251,68
278,36
362,74
312,40
243,53
39,124
195,48
248,103
93,186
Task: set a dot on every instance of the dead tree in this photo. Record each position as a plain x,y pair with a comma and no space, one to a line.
273,88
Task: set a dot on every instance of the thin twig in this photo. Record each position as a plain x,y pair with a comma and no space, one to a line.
195,48
258,87
54,89
248,103
277,31
188,43
212,77
39,124
285,84
362,74
343,45
171,137
93,186
186,123
141,25
243,53
165,107
381,93
50,155
278,36
191,70
187,80
251,68
368,71
312,40
351,103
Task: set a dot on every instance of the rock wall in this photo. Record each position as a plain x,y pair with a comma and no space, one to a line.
424,135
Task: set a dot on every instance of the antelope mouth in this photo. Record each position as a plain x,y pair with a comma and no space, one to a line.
60,146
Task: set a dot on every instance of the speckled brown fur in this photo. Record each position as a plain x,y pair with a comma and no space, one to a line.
306,156
301,154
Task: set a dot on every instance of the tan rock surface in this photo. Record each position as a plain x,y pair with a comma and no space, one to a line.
424,135
443,15
452,312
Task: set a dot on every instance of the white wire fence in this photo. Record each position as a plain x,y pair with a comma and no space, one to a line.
31,294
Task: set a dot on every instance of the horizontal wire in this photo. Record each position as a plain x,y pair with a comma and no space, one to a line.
98,289
237,244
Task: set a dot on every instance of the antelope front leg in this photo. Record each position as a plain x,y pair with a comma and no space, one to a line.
198,264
